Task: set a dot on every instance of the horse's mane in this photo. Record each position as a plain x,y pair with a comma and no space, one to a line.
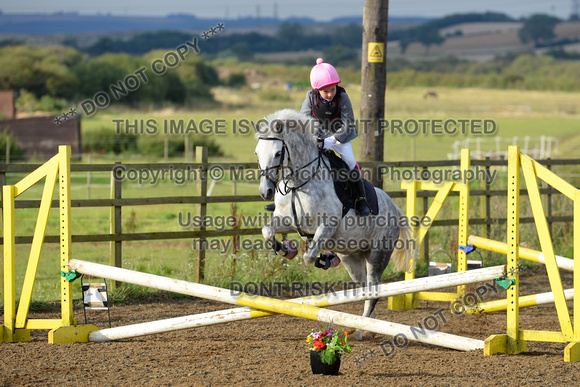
290,125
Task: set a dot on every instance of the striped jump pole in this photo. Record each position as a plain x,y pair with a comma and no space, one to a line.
268,306
525,253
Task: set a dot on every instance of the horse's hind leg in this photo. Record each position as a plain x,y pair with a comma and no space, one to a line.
358,268
355,266
366,270
376,264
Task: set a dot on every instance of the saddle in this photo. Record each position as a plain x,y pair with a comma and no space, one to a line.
344,187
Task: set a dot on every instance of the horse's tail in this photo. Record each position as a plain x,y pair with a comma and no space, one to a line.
405,249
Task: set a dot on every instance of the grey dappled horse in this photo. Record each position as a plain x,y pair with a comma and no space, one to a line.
292,164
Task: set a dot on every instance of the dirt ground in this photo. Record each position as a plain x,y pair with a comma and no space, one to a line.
273,351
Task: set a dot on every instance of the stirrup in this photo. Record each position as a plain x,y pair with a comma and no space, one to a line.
361,207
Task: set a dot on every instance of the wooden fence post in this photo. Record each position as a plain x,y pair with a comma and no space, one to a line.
201,156
116,226
7,149
187,149
165,148
89,178
2,183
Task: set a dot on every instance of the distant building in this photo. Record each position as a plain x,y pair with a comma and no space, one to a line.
41,136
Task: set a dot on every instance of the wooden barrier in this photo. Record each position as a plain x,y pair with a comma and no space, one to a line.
17,326
261,304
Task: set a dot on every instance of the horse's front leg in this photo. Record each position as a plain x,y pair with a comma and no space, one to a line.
286,248
321,236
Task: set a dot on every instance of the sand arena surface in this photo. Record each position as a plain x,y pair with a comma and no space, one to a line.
273,351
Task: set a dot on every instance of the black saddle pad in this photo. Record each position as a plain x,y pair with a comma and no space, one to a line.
345,188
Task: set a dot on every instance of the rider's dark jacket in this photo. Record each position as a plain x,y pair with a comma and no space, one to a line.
336,117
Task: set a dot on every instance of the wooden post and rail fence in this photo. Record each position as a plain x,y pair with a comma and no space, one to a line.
201,200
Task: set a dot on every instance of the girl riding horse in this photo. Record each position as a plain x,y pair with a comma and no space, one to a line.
329,104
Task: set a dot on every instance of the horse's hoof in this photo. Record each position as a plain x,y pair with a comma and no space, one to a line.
368,335
357,335
291,250
361,335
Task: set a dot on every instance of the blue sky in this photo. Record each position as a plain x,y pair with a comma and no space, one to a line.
320,10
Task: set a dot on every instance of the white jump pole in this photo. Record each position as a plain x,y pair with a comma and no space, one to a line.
525,253
337,298
525,302
237,314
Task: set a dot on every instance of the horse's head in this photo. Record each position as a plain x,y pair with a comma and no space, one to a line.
271,152
276,134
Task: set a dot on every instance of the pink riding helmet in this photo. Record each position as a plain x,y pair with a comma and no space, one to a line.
323,75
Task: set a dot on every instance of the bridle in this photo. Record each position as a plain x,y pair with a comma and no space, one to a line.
293,172
286,179
264,172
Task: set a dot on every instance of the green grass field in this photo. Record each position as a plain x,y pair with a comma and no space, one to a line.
517,114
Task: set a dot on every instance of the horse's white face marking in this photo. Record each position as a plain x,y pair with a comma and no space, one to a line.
269,154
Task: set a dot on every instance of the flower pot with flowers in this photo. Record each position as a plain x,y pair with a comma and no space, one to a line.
326,348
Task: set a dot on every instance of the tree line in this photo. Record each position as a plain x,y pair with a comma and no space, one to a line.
44,75
339,43
47,76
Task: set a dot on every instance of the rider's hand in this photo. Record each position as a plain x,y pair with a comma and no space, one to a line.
329,142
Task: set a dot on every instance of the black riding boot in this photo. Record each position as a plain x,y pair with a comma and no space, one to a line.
361,205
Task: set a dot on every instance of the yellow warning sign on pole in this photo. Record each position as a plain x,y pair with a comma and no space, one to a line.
376,52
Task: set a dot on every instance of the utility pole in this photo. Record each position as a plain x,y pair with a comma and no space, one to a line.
373,84
575,14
